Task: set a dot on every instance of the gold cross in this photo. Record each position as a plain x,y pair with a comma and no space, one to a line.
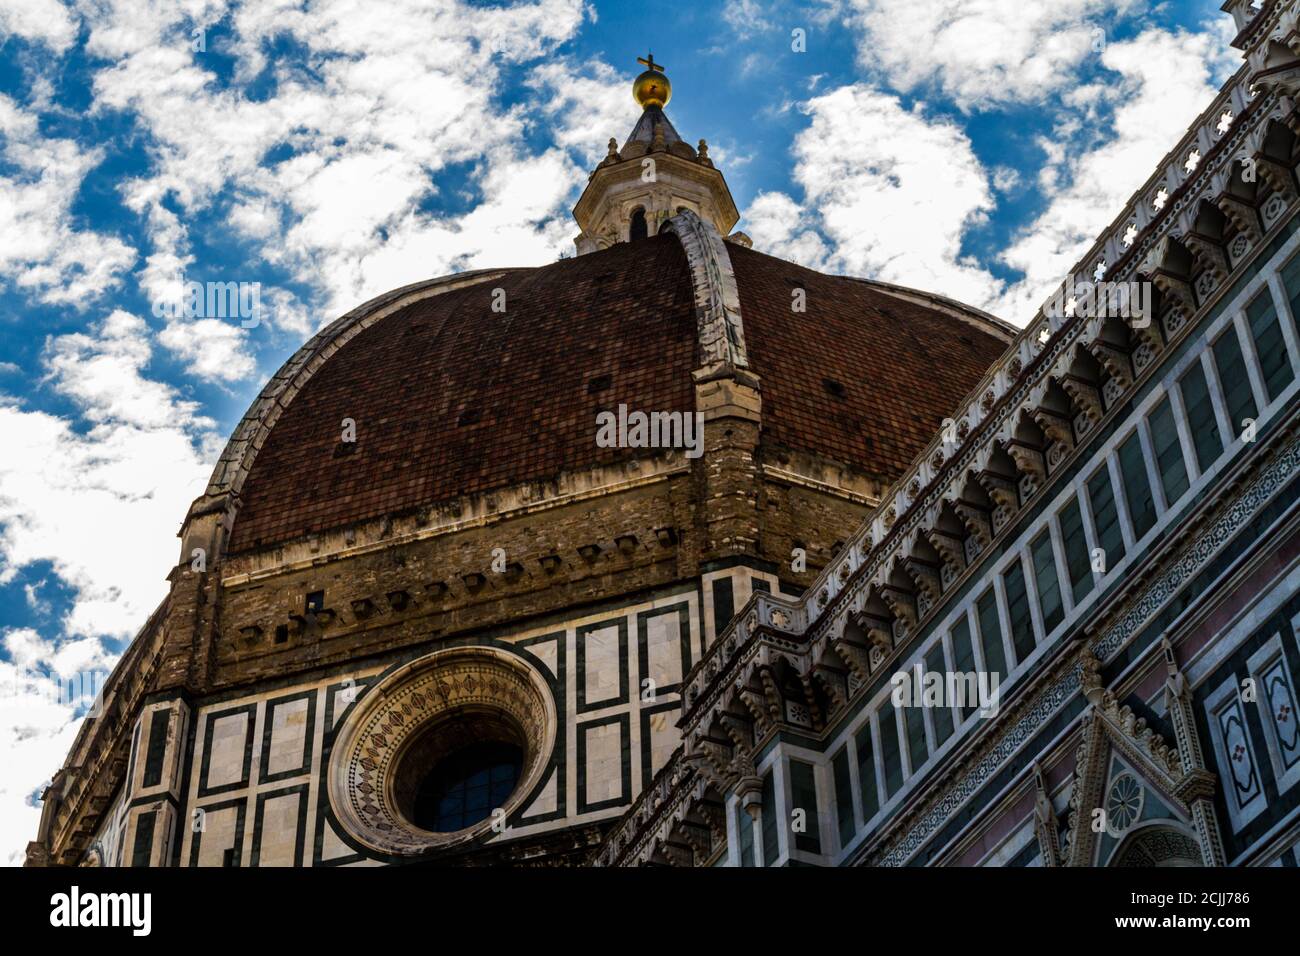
650,64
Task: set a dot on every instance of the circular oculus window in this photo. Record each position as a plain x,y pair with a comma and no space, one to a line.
442,748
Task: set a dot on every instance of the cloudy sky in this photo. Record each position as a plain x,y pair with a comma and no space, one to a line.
332,150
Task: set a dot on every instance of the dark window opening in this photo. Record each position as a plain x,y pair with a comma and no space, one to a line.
990,626
935,664
1270,346
914,728
142,848
867,773
1022,625
598,383
1291,281
891,753
466,786
771,849
745,829
724,604
1137,487
1105,517
963,652
1234,380
1047,580
804,788
844,797
1200,417
1168,449
156,749
638,229
1078,562
834,387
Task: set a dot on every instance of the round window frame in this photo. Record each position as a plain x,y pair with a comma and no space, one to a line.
388,716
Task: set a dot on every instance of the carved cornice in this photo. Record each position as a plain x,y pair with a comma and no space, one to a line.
1012,392
1044,352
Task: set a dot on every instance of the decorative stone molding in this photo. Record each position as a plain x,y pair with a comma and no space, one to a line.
488,693
657,174
1006,468
1046,828
1178,772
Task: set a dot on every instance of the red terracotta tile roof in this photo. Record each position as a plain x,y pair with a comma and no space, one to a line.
450,398
902,367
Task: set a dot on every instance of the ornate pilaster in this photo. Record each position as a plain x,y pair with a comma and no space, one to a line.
1199,784
1046,827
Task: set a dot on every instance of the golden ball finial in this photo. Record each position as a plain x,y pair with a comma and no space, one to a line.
651,88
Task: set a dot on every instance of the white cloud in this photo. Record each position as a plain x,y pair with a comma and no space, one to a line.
585,106
37,727
215,350
34,600
399,95
102,372
890,192
101,500
1005,179
44,21
1107,146
779,226
102,504
40,246
45,686
982,52
746,17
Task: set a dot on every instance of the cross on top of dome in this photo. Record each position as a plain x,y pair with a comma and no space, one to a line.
651,88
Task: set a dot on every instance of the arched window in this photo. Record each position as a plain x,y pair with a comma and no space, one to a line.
638,229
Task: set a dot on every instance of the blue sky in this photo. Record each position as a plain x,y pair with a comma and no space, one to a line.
328,151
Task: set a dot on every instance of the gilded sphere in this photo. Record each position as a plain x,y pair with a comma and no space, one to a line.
652,88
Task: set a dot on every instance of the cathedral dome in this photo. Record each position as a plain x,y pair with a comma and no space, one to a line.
488,380
421,551
467,385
